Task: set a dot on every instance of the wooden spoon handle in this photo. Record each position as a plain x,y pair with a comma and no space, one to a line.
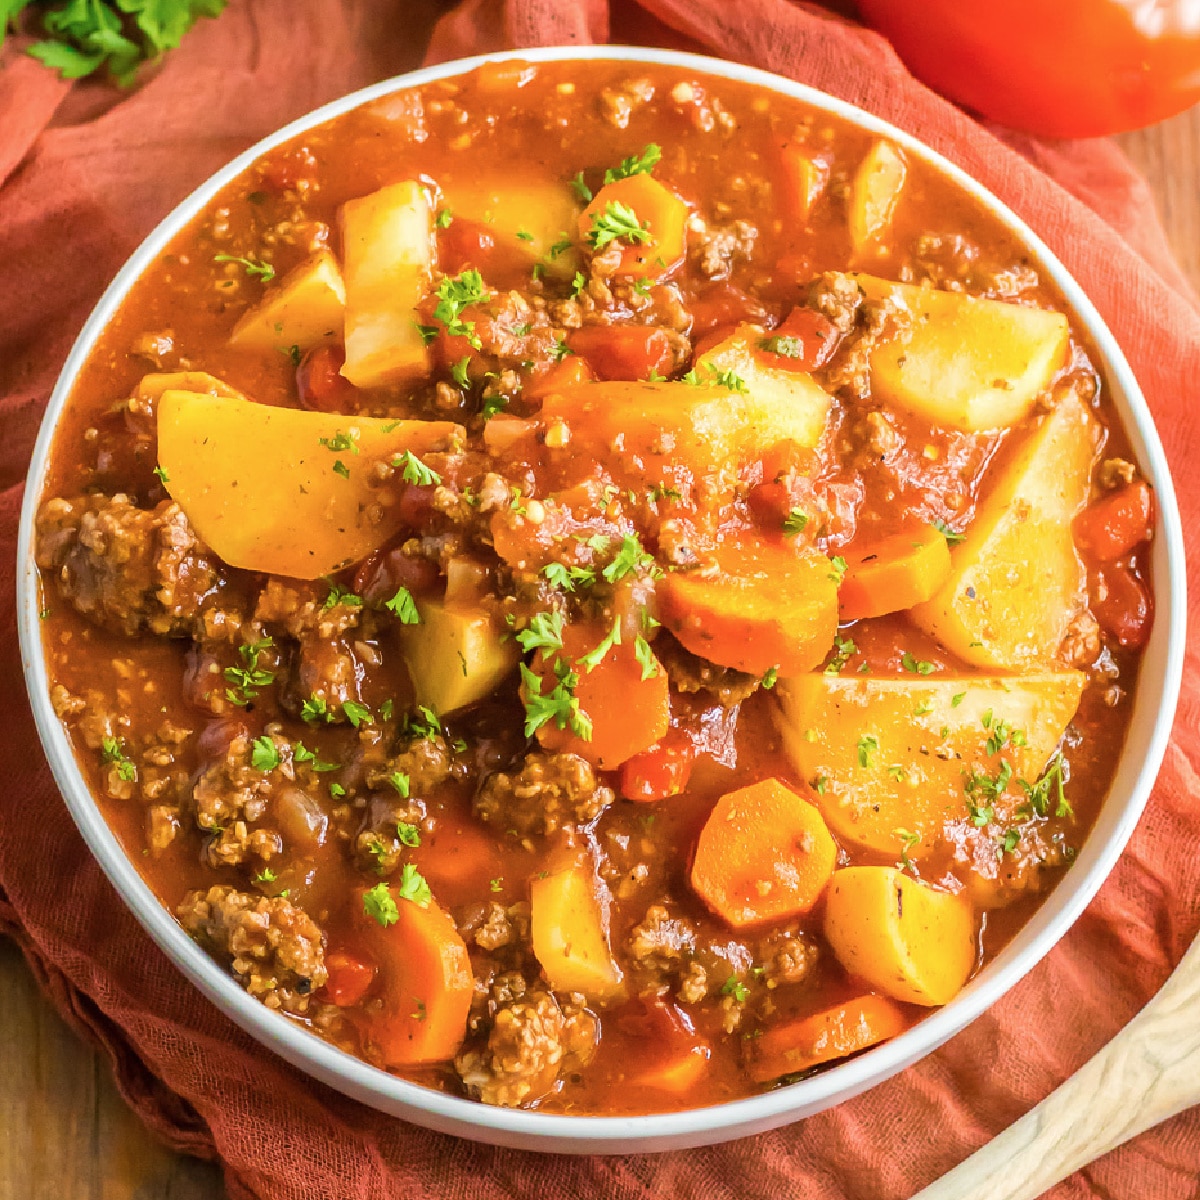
1147,1073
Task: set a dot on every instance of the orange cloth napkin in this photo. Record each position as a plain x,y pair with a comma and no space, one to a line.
85,173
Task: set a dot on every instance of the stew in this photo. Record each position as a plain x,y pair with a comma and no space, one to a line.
595,587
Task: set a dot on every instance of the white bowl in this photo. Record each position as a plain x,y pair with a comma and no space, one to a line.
1154,709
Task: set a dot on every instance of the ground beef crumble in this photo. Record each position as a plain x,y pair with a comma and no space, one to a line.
127,568
277,950
534,1038
549,792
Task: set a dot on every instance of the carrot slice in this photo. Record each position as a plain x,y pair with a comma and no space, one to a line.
764,854
426,985
826,1035
803,177
894,573
657,209
628,714
766,607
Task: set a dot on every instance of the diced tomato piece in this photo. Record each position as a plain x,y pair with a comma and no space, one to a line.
1123,606
623,351
1117,523
349,978
806,340
659,772
570,371
321,385
464,243
724,306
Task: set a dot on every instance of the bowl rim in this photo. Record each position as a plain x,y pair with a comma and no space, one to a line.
532,1129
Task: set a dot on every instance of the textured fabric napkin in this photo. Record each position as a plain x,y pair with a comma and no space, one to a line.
85,172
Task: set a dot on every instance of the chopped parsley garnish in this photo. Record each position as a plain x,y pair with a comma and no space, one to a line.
544,632
867,745
561,350
523,235
409,835
404,607
581,189
629,559
266,875
559,247
111,751
253,268
400,782
264,754
734,987
248,678
618,222
562,576
907,842
379,904
983,791
302,754
425,724
314,709
769,680
341,441
838,573
163,478
413,887
915,665
340,595
456,294
820,783
558,705
948,533
645,658
413,470
728,378
340,468
1011,840
846,649
1052,782
636,164
357,714
459,371
794,522
957,699
1001,734
496,403
578,283
594,658
496,885
336,790
443,218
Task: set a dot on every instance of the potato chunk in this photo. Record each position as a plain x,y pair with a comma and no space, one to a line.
874,193
795,393
389,248
906,939
569,928
308,307
455,655
1016,582
528,219
282,490
965,363
889,755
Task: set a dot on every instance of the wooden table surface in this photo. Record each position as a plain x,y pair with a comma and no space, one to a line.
65,1133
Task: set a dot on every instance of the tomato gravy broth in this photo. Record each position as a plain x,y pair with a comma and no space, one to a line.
695,987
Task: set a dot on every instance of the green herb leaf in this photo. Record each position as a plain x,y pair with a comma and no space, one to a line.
357,714
645,658
413,887
264,754
617,222
252,267
635,164
794,522
404,607
594,658
379,904
413,470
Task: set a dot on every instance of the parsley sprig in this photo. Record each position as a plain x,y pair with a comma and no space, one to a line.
617,222
252,267
635,164
456,294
